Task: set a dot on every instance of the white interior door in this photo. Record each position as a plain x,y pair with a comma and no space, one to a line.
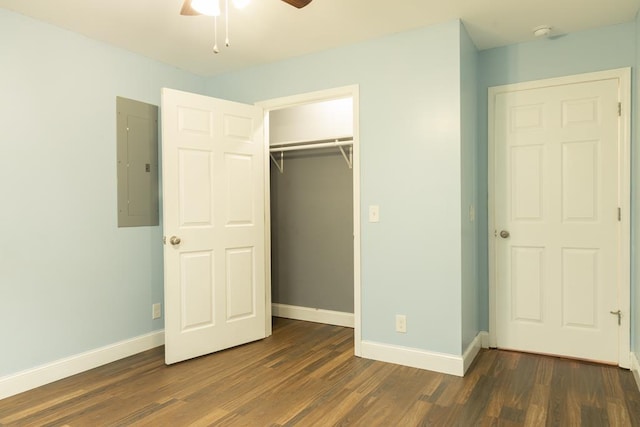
213,206
557,195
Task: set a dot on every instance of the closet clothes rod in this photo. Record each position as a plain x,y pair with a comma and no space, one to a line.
340,143
343,138
313,146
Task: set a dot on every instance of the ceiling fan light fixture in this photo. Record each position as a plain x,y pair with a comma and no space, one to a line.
213,8
241,4
206,7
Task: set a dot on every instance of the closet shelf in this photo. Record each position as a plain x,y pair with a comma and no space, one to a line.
340,143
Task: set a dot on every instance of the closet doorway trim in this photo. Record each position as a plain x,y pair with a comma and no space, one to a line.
352,92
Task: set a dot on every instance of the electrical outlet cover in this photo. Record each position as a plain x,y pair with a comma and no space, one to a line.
156,311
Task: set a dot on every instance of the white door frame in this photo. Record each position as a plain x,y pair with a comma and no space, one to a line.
308,98
624,196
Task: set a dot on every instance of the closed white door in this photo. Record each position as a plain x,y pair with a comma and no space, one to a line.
557,199
213,207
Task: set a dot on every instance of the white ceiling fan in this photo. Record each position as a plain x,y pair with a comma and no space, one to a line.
206,7
212,8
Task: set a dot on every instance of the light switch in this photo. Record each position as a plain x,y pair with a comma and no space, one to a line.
374,213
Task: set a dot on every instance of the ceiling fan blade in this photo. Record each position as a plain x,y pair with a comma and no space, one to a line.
298,3
187,10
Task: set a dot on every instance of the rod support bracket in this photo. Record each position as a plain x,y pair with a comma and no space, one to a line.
280,164
348,159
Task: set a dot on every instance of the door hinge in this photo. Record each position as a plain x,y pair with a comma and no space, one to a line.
619,109
619,214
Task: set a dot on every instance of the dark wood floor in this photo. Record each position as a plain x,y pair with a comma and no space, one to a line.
306,375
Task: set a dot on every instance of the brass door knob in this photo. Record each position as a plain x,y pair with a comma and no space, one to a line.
504,234
174,240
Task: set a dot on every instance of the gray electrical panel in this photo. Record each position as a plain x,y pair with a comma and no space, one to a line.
137,137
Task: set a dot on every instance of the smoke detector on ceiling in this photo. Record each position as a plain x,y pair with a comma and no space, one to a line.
542,30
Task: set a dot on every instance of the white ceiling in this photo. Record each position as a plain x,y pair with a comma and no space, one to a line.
270,30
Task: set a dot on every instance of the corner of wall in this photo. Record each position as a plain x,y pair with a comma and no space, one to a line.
471,298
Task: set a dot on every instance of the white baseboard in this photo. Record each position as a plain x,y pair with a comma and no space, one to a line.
413,357
474,348
54,371
484,339
432,361
318,315
635,368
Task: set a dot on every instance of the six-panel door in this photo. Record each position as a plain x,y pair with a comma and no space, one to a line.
213,191
556,178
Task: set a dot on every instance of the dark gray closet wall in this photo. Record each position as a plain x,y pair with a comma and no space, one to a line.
311,219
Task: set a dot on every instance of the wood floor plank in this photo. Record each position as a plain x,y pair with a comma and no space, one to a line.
468,386
394,398
306,375
475,407
630,394
340,402
593,417
536,416
617,413
539,398
440,415
415,415
35,408
210,418
521,382
450,393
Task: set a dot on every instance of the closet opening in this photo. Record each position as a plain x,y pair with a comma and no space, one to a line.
313,208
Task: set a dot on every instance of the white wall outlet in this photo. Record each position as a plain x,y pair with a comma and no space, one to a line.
401,323
156,311
374,213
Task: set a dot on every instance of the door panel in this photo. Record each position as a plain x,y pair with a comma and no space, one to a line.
240,193
580,181
197,290
213,190
556,192
195,196
240,283
526,176
527,269
580,283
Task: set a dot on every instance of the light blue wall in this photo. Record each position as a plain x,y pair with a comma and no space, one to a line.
469,196
410,157
70,280
587,51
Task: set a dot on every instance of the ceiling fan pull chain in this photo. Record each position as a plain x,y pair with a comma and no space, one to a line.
215,30
226,19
